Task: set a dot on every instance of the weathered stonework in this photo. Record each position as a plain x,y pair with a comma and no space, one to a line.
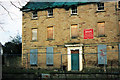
87,18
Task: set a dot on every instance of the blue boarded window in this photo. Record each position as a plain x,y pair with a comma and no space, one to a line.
33,56
102,54
49,56
119,53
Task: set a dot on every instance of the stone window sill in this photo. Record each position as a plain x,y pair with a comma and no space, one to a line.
50,39
36,18
100,11
118,9
74,37
34,41
102,36
119,34
74,15
50,16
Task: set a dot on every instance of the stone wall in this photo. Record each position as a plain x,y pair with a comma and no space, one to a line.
86,18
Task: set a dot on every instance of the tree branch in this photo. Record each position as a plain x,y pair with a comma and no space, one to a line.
2,28
19,3
14,5
6,10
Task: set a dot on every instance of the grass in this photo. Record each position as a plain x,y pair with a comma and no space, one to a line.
24,70
85,70
100,69
12,73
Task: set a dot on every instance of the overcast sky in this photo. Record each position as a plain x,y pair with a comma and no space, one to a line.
10,26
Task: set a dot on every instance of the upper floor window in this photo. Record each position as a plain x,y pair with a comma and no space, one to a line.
50,12
50,33
34,15
74,31
100,6
101,28
74,10
118,4
34,34
119,26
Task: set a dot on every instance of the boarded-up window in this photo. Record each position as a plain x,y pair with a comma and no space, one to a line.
49,56
102,54
101,29
33,56
34,34
50,32
74,31
119,26
119,54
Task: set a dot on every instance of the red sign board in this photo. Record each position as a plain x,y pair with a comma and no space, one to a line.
88,33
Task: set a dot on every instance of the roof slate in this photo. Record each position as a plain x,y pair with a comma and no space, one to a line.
31,6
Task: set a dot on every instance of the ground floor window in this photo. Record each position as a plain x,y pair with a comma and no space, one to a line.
49,56
102,54
119,54
33,56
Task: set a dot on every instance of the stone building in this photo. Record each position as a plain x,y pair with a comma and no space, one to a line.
70,34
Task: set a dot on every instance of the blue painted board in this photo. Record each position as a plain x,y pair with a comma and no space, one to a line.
49,56
33,56
102,54
119,54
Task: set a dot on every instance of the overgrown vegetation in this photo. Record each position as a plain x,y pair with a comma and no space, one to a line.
14,46
31,70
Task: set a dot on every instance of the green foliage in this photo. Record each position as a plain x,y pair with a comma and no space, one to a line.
14,46
17,39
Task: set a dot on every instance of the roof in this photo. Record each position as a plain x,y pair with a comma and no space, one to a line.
31,6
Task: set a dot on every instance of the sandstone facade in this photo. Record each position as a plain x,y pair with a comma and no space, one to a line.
87,18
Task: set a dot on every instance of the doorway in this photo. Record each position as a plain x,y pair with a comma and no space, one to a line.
75,60
74,56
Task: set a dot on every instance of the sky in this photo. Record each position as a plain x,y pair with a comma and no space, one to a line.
10,24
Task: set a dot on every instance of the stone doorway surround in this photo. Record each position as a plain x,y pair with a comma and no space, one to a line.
74,47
